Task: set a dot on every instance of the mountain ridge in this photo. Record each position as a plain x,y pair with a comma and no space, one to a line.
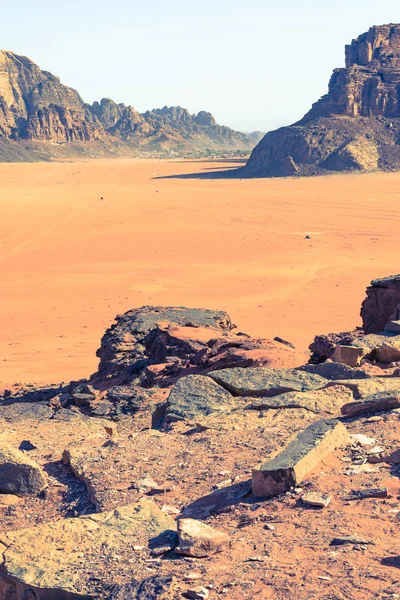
36,108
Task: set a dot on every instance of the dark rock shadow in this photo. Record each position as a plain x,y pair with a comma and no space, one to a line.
75,498
223,174
391,561
220,500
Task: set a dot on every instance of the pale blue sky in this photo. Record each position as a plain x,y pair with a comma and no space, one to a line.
255,64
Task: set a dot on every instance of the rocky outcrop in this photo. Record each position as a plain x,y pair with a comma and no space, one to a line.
160,344
36,106
354,127
55,567
382,304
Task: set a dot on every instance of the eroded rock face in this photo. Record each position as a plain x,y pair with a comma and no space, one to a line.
355,126
381,304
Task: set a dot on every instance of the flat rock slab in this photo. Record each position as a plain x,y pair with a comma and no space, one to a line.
318,401
374,403
195,397
261,382
200,540
334,371
13,411
362,388
289,468
19,474
52,560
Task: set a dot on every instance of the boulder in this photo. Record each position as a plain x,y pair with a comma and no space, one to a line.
200,540
349,355
19,474
195,397
389,351
284,472
334,371
261,382
52,559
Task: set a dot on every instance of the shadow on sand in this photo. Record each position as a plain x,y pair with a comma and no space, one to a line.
231,171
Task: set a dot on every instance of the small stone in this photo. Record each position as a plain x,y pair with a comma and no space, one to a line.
161,550
199,593
170,510
316,499
394,458
256,559
199,540
9,500
192,577
362,439
27,446
359,469
350,539
19,474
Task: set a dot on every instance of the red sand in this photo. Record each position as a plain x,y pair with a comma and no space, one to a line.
70,261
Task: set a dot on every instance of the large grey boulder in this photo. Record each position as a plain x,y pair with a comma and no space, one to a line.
266,382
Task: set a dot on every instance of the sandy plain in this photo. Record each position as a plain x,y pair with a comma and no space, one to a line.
83,241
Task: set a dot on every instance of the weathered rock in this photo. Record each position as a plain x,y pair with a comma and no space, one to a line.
393,458
324,346
361,388
389,351
355,126
262,382
13,411
278,475
377,402
199,540
329,400
334,371
349,355
381,304
350,539
123,354
198,593
52,559
316,499
393,326
19,474
367,493
195,397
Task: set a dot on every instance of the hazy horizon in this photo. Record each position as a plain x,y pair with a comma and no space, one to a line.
254,67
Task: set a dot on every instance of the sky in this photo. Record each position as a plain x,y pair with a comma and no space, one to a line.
255,64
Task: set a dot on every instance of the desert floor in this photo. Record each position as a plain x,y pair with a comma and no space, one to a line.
81,242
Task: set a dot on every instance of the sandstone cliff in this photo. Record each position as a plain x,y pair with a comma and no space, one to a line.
355,126
36,107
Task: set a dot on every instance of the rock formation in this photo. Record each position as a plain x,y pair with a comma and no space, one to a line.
35,107
355,126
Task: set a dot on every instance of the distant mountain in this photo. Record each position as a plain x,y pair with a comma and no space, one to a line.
35,108
354,127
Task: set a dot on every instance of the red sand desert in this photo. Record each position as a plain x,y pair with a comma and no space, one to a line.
71,261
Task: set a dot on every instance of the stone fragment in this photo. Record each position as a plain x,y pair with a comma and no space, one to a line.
350,539
316,499
359,470
349,355
367,493
287,469
199,540
198,593
195,397
362,439
53,558
19,474
377,402
262,382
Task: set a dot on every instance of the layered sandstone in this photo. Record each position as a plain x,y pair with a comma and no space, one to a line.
355,126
